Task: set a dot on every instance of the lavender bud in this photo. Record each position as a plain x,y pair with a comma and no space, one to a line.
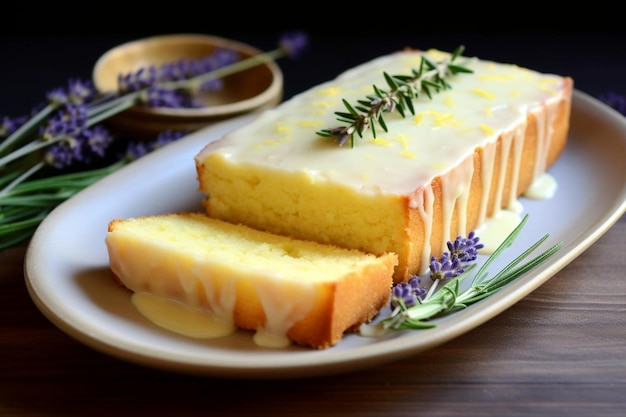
447,266
168,136
57,96
615,101
97,140
407,293
10,125
293,43
80,92
69,120
165,97
64,153
135,150
465,248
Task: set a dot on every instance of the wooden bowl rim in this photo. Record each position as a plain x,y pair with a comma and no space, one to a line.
273,90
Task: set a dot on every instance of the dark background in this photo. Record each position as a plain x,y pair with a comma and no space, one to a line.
42,46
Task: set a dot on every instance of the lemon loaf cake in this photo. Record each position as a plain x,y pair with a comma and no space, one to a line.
466,151
285,290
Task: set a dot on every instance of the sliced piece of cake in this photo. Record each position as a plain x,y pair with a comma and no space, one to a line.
468,151
286,290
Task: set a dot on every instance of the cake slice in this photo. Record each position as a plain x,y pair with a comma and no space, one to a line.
286,290
468,152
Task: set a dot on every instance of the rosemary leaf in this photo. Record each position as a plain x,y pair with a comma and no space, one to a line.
403,89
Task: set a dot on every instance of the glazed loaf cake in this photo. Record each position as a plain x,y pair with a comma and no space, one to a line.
468,152
284,289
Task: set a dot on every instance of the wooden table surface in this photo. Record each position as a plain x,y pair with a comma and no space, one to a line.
561,351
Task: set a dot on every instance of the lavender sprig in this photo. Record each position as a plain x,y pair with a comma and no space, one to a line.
413,308
291,44
150,79
61,148
429,78
462,252
101,108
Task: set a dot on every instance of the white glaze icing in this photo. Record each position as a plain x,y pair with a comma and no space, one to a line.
495,229
542,188
179,317
444,131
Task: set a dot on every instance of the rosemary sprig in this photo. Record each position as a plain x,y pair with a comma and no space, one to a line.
429,78
416,314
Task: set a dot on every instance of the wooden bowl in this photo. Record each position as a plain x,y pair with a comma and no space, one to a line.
253,89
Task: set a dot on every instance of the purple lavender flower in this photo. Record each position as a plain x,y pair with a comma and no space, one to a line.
174,71
614,100
73,142
10,125
180,70
169,98
79,149
133,81
407,293
168,136
57,96
97,140
447,266
467,248
63,153
137,149
212,85
69,120
142,78
294,43
63,130
77,92
217,59
80,91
